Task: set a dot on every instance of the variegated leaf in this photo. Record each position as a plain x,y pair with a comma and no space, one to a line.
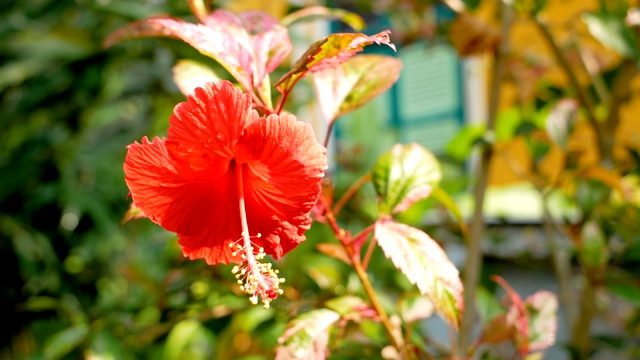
329,52
306,336
350,85
425,264
404,175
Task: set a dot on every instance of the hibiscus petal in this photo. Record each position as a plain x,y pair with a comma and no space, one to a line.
159,190
206,127
286,166
204,211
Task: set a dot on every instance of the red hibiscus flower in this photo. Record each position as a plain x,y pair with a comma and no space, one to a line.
232,185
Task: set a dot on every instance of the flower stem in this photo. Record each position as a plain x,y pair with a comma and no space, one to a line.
243,216
394,336
327,137
343,236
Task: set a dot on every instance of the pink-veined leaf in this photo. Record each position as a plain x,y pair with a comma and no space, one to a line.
329,52
543,322
137,29
190,74
531,324
404,175
517,317
425,264
248,45
307,336
313,12
346,87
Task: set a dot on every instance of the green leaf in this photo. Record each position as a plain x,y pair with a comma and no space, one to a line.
105,346
190,74
346,305
40,303
189,340
307,336
507,124
404,175
63,342
443,198
313,12
425,264
612,32
593,248
350,85
464,141
329,52
626,290
488,306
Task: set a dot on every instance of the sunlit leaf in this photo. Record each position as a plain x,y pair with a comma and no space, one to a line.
561,120
403,176
346,87
425,264
190,74
329,52
248,45
307,336
612,32
63,342
313,12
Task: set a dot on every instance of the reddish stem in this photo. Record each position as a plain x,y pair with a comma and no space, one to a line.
350,192
283,99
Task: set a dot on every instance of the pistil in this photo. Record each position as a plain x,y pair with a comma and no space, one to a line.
257,279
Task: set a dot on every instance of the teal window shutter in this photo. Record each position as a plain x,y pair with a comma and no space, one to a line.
429,98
